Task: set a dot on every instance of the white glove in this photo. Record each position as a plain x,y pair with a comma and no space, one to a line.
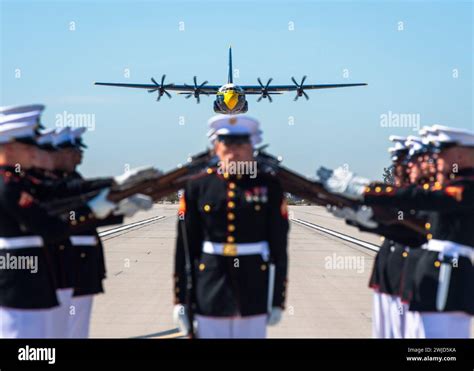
363,215
345,183
134,176
343,213
275,316
181,319
100,206
132,204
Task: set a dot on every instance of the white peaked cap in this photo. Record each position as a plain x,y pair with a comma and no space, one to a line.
17,130
17,122
234,125
26,118
62,136
46,138
398,143
449,135
76,136
12,110
414,144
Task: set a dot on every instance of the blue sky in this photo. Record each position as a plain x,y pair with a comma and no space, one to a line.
424,70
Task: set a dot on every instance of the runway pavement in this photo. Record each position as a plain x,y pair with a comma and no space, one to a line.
327,294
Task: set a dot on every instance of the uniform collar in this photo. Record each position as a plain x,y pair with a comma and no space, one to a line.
7,168
11,169
231,177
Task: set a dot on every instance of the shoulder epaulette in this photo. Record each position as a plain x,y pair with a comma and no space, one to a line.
455,191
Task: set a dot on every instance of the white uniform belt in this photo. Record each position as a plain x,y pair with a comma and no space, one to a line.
23,242
236,249
450,248
83,240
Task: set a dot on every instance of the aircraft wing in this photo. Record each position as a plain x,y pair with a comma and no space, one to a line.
171,87
256,89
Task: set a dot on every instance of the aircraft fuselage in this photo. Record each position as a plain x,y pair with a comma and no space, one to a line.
230,99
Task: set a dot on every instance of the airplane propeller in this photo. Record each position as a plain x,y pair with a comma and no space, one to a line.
299,88
160,88
264,92
197,91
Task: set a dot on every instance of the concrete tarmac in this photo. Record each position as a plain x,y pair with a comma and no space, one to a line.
328,295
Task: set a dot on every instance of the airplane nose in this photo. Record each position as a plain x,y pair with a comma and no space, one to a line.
231,99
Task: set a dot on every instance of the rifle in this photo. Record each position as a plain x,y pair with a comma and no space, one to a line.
299,185
146,181
389,216
166,183
188,264
315,192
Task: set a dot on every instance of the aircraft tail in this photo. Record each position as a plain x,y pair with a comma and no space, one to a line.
230,79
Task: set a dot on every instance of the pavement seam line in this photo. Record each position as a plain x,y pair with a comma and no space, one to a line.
126,227
339,235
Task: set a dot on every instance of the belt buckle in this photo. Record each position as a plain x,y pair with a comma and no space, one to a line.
229,249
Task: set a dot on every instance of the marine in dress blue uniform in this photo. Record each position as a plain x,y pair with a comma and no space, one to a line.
28,293
235,228
436,280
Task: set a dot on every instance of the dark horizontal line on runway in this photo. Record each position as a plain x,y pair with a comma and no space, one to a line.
123,228
113,231
339,235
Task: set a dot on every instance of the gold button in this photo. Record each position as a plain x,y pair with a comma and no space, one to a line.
257,207
367,189
83,255
231,227
405,254
427,225
82,218
231,194
209,170
230,239
229,250
437,263
429,236
201,267
226,175
232,185
263,267
388,189
378,189
426,186
231,216
230,204
73,222
207,208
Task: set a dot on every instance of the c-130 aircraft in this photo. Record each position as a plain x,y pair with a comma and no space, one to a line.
230,98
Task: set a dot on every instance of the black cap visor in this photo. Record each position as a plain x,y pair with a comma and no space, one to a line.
237,139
